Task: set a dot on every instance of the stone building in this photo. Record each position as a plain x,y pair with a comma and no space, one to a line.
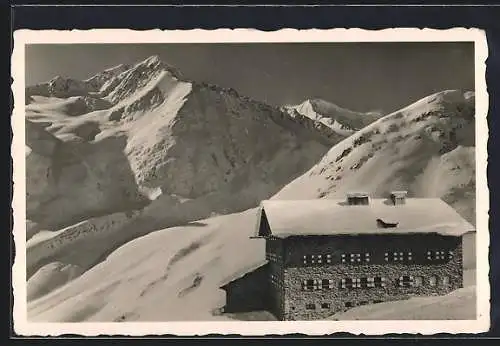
325,256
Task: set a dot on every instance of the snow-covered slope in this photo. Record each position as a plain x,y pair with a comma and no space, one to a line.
172,149
174,137
458,305
170,274
426,148
175,274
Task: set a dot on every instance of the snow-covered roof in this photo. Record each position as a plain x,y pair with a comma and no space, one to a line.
332,216
240,274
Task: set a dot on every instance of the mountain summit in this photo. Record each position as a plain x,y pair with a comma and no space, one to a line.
149,141
336,122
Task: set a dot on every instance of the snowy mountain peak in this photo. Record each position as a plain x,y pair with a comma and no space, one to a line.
343,122
153,59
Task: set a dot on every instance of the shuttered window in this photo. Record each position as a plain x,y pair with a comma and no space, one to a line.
346,283
327,284
364,282
311,306
406,281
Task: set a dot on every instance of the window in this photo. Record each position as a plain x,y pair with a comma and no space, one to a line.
433,280
355,258
325,305
379,281
446,280
364,282
363,302
311,306
346,283
326,284
398,256
436,255
316,259
418,281
349,304
328,258
406,281
310,285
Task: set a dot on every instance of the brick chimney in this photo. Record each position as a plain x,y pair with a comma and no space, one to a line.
357,198
398,197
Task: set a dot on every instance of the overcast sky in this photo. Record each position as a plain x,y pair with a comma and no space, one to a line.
358,76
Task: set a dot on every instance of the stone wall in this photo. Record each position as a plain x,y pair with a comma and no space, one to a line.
275,256
296,272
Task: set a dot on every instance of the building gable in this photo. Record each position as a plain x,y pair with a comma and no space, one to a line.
263,228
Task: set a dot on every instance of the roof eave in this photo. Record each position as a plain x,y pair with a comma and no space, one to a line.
407,232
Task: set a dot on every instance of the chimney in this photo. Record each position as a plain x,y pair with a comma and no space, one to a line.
357,198
398,197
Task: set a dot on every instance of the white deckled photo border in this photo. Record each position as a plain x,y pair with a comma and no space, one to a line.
23,327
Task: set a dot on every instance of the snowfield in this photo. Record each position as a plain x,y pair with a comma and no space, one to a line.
170,274
142,186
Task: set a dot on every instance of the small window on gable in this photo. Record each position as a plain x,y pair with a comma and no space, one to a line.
311,306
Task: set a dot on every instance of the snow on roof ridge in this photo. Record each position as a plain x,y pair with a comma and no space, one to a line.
335,216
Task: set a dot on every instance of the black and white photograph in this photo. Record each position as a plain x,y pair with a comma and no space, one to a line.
258,180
